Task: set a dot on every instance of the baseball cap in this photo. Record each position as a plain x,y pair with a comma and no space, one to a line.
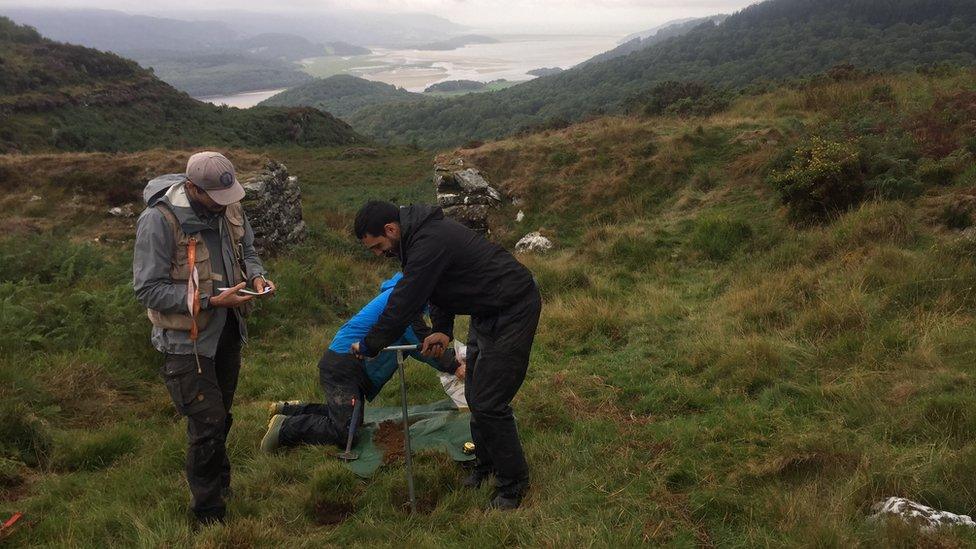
212,172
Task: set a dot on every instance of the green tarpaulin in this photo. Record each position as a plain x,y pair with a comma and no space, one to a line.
432,426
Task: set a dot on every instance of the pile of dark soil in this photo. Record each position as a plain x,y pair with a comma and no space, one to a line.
389,437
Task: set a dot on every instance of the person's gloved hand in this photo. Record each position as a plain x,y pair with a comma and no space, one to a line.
435,344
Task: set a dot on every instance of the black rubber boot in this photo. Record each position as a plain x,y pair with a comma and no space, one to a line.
203,521
476,478
504,503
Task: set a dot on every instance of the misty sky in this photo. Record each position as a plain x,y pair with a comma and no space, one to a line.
595,16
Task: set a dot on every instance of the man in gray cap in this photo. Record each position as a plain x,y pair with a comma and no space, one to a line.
194,253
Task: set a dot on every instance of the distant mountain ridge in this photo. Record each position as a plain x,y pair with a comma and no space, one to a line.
390,30
191,30
123,33
651,31
772,40
457,42
672,30
57,96
545,71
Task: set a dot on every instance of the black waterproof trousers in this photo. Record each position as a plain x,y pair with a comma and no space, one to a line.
344,382
204,395
498,357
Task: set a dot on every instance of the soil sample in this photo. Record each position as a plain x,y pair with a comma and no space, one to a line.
389,438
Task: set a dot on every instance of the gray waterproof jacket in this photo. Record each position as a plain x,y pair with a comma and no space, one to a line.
153,254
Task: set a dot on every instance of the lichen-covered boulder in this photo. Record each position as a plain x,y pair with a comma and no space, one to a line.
533,242
923,517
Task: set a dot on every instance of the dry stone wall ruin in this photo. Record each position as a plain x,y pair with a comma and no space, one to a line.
465,194
273,203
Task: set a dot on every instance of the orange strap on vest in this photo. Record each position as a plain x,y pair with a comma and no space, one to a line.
193,287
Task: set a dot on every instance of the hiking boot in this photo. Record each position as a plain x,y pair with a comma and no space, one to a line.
271,441
504,503
475,478
202,521
278,407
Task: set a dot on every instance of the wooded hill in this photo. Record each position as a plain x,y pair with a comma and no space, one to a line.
341,95
672,30
777,39
57,96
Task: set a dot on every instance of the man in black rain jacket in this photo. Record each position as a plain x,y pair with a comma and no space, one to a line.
459,272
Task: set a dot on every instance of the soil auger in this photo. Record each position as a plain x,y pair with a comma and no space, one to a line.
399,350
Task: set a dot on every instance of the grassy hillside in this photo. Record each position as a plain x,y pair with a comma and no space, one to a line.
771,40
718,363
62,97
341,95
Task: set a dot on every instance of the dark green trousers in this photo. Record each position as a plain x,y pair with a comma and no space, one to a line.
204,396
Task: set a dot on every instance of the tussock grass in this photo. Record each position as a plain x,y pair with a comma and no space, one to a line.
80,450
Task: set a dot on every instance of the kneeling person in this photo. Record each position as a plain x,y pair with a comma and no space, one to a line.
346,379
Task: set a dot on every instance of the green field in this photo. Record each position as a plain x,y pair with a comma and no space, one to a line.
718,363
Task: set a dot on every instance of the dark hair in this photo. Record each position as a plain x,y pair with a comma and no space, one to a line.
373,216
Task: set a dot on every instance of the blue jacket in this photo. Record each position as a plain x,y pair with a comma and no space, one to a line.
379,370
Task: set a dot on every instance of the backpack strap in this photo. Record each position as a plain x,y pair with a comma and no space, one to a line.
234,242
174,223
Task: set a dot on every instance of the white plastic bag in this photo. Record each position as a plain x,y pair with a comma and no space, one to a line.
453,386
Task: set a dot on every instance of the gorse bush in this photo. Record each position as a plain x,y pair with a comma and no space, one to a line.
822,178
